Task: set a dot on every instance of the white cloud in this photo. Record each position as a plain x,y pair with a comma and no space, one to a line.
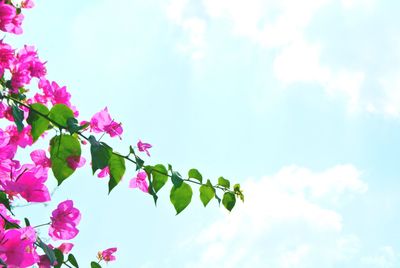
282,27
386,257
287,220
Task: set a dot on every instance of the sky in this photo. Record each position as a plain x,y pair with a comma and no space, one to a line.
299,101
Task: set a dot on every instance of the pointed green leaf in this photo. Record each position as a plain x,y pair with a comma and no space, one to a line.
181,196
139,162
195,174
224,183
27,223
151,190
176,178
18,115
101,154
72,260
218,199
229,200
94,265
61,148
48,251
117,168
160,177
207,192
59,257
60,113
38,123
238,191
4,200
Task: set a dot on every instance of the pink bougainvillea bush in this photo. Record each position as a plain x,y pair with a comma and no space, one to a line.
30,106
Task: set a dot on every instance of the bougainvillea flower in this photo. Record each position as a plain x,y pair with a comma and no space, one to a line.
10,21
107,255
64,220
7,167
5,216
44,262
8,152
40,159
104,172
27,4
75,162
22,139
140,182
4,138
28,182
143,147
6,57
102,122
65,247
17,247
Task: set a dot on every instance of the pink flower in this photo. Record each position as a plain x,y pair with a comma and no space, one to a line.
40,159
44,262
22,139
6,57
104,172
66,247
27,4
17,247
107,255
102,122
28,182
75,162
143,147
64,220
4,215
140,182
4,138
10,21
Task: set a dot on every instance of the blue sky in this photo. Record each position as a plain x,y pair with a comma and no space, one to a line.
297,100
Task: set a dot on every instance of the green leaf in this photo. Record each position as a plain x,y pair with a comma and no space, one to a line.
224,183
139,162
160,176
229,200
61,148
207,192
73,125
181,196
60,113
195,174
48,251
4,200
117,168
176,178
38,123
59,257
3,263
72,260
27,223
94,265
238,191
148,170
18,115
101,154
218,199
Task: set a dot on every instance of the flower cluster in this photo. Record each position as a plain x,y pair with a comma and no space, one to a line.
11,17
27,117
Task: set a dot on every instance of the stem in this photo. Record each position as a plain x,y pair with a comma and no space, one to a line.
80,134
11,223
66,264
41,225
